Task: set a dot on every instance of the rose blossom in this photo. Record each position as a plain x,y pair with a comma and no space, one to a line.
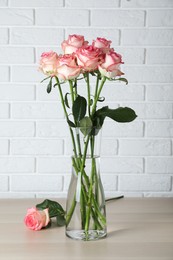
48,63
36,219
73,43
111,66
102,43
89,57
67,67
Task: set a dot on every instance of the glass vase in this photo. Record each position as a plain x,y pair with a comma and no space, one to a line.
85,207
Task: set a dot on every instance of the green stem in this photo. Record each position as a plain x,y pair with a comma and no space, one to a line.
97,85
71,91
98,94
66,115
89,95
70,212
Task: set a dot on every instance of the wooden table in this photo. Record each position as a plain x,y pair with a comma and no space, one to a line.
138,229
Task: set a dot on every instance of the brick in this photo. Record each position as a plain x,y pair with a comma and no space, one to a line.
16,55
37,110
3,3
162,18
92,4
145,147
159,93
36,183
17,129
109,147
16,195
36,36
109,182
3,183
17,165
36,3
16,92
14,16
4,73
151,110
36,147
159,129
4,110
149,74
55,195
146,3
58,165
159,55
69,17
119,18
26,74
114,129
144,183
149,37
159,165
4,147
52,129
93,33
121,165
121,92
4,36
132,55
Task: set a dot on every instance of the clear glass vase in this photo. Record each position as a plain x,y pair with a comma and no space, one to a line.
85,207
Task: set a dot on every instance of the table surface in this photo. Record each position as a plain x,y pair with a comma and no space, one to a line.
138,229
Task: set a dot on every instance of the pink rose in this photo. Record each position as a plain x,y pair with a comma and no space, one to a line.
73,43
102,44
48,63
111,65
89,57
36,219
67,67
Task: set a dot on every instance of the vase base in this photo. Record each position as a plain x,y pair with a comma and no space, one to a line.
86,235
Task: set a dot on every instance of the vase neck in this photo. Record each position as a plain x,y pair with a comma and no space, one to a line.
88,145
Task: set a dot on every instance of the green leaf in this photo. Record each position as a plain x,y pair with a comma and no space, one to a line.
45,79
86,125
60,221
79,108
71,124
121,114
91,102
56,84
124,80
49,86
55,209
66,100
101,99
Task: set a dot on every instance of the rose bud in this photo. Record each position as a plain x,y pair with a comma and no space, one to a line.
89,57
111,65
48,63
73,43
36,219
67,67
102,44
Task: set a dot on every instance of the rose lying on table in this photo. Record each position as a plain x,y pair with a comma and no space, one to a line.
40,216
37,219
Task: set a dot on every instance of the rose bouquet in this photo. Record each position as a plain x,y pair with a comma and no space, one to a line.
83,62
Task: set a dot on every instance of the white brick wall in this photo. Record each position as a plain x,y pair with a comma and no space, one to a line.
137,158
